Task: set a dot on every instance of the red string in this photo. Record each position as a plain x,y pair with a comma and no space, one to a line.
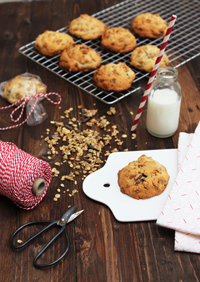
22,104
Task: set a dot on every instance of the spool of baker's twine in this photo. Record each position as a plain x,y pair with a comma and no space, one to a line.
153,73
24,179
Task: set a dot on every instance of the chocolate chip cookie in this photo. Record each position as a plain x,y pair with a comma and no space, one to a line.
21,87
87,27
144,58
149,25
114,77
80,58
118,39
143,178
51,43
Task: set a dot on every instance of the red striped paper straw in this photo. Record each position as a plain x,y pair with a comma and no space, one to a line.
154,71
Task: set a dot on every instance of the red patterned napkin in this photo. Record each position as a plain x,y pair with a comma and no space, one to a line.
182,209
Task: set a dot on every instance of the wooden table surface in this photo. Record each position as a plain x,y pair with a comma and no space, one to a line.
101,248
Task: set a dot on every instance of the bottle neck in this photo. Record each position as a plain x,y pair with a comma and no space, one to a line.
168,73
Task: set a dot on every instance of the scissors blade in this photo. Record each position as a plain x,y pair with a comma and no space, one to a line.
74,215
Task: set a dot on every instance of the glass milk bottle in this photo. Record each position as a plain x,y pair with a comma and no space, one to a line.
164,103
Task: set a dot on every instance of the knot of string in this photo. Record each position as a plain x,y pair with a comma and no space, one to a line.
22,103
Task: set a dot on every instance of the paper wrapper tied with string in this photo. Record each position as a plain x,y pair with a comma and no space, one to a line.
26,90
24,179
22,86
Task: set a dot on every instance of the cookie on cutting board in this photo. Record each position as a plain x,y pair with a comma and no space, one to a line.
143,178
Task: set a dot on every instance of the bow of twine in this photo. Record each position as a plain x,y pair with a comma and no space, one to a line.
23,104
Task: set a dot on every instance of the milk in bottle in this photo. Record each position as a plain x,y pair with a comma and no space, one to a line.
163,108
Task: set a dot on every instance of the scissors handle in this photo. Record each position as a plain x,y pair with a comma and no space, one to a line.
47,245
66,218
50,224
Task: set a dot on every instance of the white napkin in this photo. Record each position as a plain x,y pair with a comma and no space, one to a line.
182,209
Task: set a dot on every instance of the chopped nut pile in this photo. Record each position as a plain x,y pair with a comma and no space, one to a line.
81,145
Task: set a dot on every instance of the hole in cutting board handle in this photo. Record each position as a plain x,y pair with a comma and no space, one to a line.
106,185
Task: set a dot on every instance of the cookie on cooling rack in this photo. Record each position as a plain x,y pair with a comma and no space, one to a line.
143,178
80,58
144,58
118,39
21,87
114,77
51,43
149,25
87,27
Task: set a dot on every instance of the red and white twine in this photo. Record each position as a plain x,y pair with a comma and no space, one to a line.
18,171
22,105
154,71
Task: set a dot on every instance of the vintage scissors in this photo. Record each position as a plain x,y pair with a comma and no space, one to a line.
65,219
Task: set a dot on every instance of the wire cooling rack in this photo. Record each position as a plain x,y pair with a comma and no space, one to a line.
182,47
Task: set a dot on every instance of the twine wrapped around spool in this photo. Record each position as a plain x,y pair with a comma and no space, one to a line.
24,179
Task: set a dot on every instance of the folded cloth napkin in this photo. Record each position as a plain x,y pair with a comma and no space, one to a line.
182,209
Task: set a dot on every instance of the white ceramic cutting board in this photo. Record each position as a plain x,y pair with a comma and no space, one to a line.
102,185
